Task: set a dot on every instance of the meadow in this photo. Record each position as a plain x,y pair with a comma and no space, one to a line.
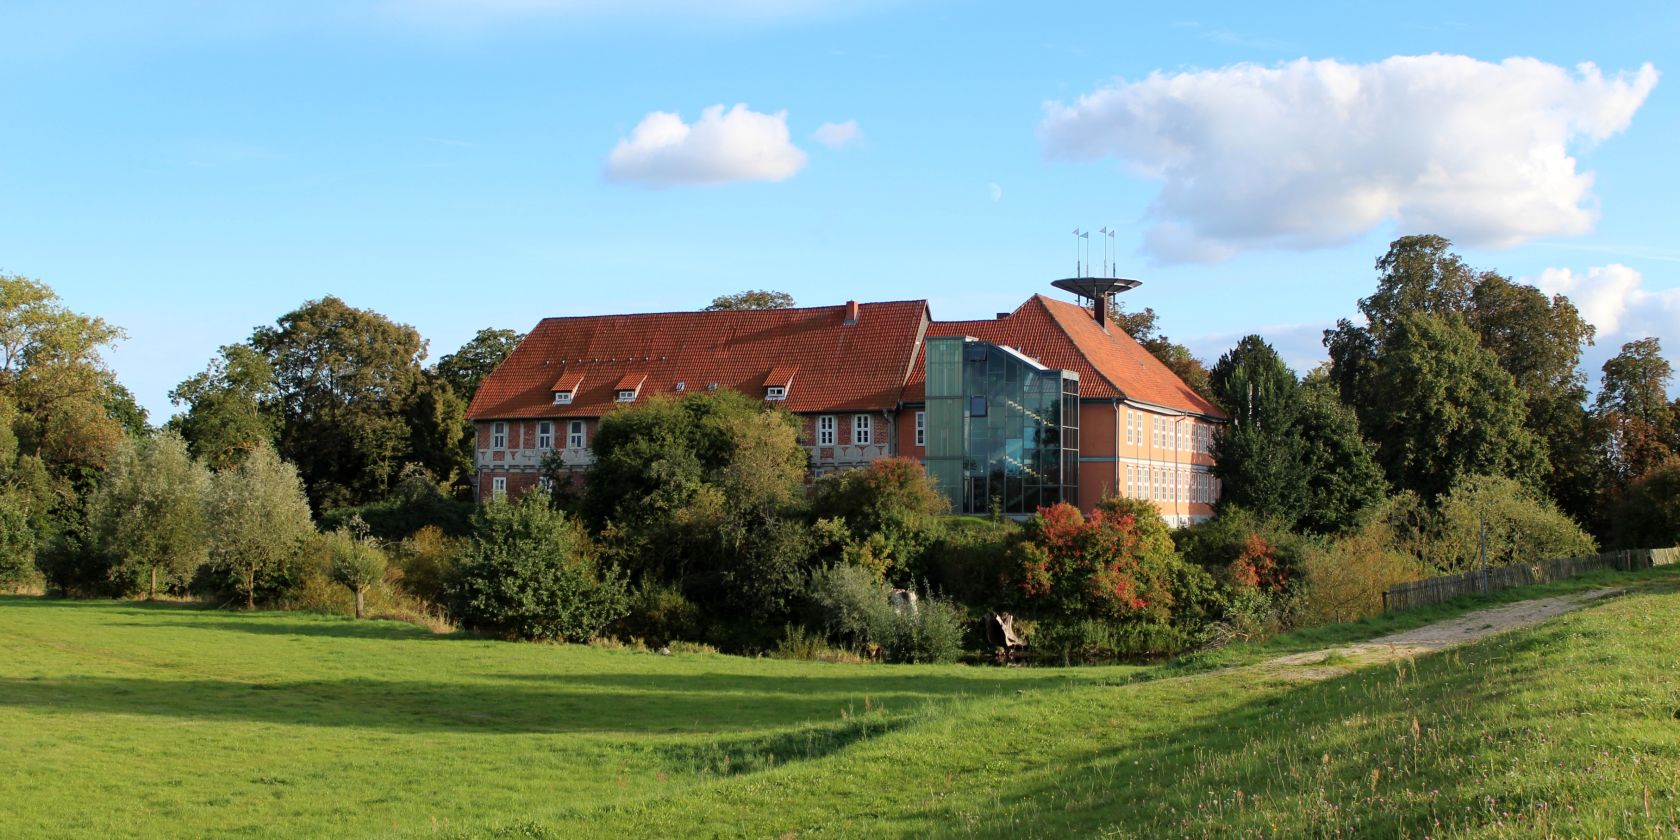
129,719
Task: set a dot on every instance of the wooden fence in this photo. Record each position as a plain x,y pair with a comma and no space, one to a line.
1423,593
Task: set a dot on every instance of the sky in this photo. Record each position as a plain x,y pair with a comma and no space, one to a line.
192,170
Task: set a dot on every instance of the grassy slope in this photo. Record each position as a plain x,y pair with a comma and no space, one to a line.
123,719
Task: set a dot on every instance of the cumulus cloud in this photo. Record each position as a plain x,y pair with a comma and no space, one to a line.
1311,154
835,135
720,147
1613,299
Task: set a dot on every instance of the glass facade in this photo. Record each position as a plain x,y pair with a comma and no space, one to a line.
1002,430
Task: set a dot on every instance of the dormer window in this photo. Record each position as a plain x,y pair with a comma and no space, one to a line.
682,386
630,386
566,387
776,385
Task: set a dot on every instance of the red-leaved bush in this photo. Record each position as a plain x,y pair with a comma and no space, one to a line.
1101,567
1256,567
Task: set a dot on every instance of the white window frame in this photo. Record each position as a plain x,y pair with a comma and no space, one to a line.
863,430
577,435
498,435
545,435
921,428
626,395
562,397
498,488
825,430
775,392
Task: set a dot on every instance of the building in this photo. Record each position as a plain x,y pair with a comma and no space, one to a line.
1049,402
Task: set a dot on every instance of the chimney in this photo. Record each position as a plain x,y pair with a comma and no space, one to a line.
851,313
1100,310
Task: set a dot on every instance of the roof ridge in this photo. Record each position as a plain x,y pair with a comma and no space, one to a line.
736,312
1044,301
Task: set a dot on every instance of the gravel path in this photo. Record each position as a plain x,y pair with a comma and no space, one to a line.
1328,663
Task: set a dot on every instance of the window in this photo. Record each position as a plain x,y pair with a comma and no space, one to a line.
775,392
921,428
498,488
1155,432
1131,481
574,435
562,397
681,387
977,406
825,430
545,435
863,430
627,396
1129,435
498,435
546,483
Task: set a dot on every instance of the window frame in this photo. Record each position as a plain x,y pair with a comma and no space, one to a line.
498,435
863,430
775,392
498,488
626,395
827,436
563,397
577,435
545,435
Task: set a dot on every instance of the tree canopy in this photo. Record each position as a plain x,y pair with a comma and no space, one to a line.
750,299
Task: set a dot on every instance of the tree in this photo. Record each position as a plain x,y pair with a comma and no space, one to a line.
225,418
1636,419
148,514
358,564
1344,483
751,299
1258,453
52,371
890,513
1143,327
531,572
1439,407
467,367
346,380
1538,341
258,517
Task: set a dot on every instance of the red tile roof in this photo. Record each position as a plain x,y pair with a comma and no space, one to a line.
781,375
569,381
631,381
862,367
1062,335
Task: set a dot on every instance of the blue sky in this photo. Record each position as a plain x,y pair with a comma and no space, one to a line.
190,170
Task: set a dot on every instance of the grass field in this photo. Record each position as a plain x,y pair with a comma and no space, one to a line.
127,719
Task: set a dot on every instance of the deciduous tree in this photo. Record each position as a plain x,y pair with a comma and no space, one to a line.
751,299
258,518
147,518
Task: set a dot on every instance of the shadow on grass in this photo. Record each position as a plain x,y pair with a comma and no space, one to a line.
1380,752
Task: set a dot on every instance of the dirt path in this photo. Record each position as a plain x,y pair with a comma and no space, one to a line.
1328,663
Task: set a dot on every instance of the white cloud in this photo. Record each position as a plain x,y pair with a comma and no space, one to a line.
1613,299
1310,154
720,147
836,135
995,191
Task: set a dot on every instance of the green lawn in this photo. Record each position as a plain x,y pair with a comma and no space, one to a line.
127,719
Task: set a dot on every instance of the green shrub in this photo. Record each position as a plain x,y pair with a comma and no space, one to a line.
1522,525
1343,579
855,607
530,572
659,615
970,562
425,560
1089,641
17,547
891,512
416,502
1647,515
357,564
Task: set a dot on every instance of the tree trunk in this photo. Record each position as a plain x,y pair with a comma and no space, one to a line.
151,593
359,602
251,591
